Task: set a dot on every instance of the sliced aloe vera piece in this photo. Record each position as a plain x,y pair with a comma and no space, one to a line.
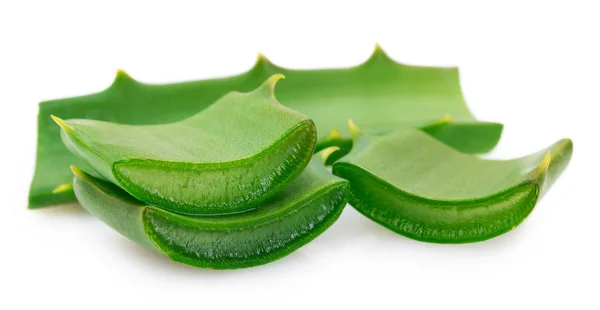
228,158
381,94
425,190
284,223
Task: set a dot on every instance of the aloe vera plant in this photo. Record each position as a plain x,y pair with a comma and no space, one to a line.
228,158
284,223
425,190
380,93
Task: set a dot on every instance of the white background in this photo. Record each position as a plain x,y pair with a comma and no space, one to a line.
532,66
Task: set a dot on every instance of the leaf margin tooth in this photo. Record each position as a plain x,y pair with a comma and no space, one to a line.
334,134
355,132
61,123
271,82
122,78
326,152
62,188
542,168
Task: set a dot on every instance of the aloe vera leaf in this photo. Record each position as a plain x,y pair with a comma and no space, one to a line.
380,93
228,158
281,225
425,190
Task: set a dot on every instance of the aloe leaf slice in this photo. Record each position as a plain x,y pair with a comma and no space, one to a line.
284,223
425,190
381,94
228,158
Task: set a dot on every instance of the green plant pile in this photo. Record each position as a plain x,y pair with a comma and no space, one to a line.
232,172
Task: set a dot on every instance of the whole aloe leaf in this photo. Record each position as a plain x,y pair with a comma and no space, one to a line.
227,158
425,190
380,93
284,223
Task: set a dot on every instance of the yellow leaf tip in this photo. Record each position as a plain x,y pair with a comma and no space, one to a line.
543,166
546,161
60,122
271,82
326,152
122,76
378,53
77,172
334,134
446,119
62,188
261,62
353,128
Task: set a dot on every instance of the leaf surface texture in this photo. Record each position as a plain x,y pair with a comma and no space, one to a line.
279,226
228,158
414,185
380,94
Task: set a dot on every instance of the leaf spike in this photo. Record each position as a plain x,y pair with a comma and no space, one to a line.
326,152
263,65
62,188
261,59
121,72
334,134
543,166
122,77
378,55
354,130
446,119
270,83
61,123
77,172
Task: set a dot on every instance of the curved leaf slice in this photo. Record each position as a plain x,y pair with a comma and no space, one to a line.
228,158
381,94
291,219
425,190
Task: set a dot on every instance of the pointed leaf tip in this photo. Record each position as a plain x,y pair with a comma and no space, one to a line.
122,77
270,83
121,74
261,59
326,152
378,54
77,172
546,161
446,119
61,123
262,64
354,130
334,134
62,188
543,166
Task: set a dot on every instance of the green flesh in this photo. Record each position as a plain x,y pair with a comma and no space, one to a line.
423,189
380,94
284,223
228,158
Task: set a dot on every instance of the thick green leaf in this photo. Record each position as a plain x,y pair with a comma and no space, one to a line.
291,219
228,158
423,189
381,94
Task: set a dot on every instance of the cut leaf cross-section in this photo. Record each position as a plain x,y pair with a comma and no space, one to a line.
423,189
279,226
381,94
228,158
